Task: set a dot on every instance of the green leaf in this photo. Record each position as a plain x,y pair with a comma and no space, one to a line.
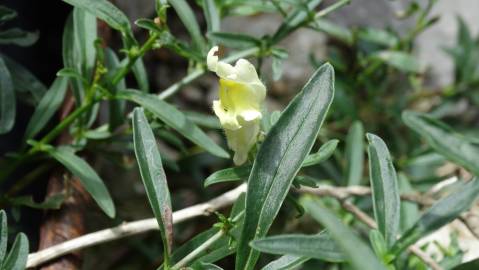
17,257
7,100
209,266
233,40
116,107
325,151
212,16
319,246
355,154
148,24
23,80
440,214
378,36
400,60
444,140
71,59
228,175
203,120
3,235
139,72
280,157
409,210
175,119
88,177
356,251
47,107
334,30
286,262
378,243
153,176
18,37
277,68
105,11
7,14
85,35
295,19
385,192
52,202
242,172
187,16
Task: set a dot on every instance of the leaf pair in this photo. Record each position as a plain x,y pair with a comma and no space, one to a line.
17,257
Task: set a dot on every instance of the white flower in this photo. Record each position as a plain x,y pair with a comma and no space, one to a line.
239,106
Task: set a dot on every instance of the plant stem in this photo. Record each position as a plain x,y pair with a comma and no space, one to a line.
62,125
331,8
199,72
132,59
192,255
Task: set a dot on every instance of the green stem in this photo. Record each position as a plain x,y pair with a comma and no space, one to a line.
132,59
61,126
192,255
331,8
217,236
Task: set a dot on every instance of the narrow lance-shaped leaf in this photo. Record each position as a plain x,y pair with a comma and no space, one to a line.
85,35
400,60
18,37
47,107
187,16
444,140
3,235
7,100
355,154
294,20
238,173
173,118
286,262
409,210
71,59
139,71
212,15
87,176
7,14
208,266
105,11
440,214
153,176
385,193
279,159
356,251
234,40
23,80
319,246
116,107
17,257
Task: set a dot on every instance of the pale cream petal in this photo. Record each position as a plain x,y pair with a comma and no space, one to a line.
212,59
227,119
246,71
242,140
250,115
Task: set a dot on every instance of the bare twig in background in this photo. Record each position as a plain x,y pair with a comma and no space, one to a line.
346,192
132,228
224,200
366,219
